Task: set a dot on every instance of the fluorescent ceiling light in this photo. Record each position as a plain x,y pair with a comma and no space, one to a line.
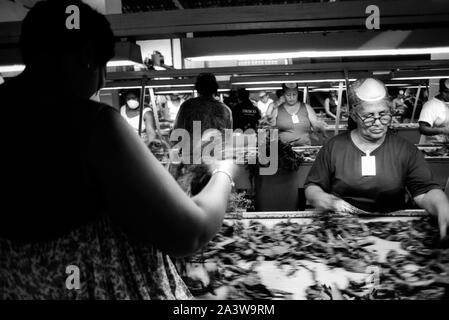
118,63
264,88
122,63
323,89
291,81
120,88
171,85
420,78
322,54
184,91
12,68
396,84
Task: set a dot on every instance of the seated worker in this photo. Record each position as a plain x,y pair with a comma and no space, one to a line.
264,102
370,168
172,106
130,111
245,114
434,117
330,104
295,119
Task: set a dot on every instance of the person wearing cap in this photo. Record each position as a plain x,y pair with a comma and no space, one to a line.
330,104
264,102
434,117
295,120
369,168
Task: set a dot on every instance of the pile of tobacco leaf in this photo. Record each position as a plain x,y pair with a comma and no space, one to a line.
442,151
423,273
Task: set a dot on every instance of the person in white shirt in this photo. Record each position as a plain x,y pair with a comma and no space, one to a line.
434,117
172,107
131,112
263,103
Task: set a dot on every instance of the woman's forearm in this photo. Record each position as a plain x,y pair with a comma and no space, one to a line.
213,201
434,202
429,131
318,198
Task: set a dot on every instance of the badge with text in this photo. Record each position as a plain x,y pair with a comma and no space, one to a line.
295,118
368,165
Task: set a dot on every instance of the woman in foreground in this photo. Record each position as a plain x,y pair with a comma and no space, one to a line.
91,213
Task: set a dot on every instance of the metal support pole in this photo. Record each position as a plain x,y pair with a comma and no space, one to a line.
306,94
142,101
416,103
340,98
155,112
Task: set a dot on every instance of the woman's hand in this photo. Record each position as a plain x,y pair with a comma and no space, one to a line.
443,222
437,204
328,202
342,206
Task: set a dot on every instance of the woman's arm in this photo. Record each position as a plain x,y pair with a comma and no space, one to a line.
327,109
437,204
319,126
427,130
322,200
143,197
150,125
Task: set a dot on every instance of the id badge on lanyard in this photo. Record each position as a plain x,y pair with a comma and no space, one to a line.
368,165
295,119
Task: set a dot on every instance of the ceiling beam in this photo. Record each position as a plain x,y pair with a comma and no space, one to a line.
269,18
287,69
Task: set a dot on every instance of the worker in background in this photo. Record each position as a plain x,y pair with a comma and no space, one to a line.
434,117
296,120
273,108
246,115
172,106
399,107
330,104
130,111
264,102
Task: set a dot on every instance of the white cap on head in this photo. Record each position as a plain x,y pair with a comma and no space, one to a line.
1,80
371,90
262,94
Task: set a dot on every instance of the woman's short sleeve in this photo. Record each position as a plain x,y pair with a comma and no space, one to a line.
321,172
419,178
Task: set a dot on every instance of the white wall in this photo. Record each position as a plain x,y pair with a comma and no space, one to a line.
164,47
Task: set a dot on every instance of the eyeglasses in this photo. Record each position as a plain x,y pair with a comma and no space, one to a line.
370,121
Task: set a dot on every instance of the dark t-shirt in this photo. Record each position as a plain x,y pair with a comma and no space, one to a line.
399,165
246,116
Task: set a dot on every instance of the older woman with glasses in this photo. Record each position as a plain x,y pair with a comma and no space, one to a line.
370,168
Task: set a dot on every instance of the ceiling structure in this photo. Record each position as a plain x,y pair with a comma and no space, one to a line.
133,6
159,19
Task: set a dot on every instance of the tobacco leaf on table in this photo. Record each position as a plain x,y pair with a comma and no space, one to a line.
423,273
